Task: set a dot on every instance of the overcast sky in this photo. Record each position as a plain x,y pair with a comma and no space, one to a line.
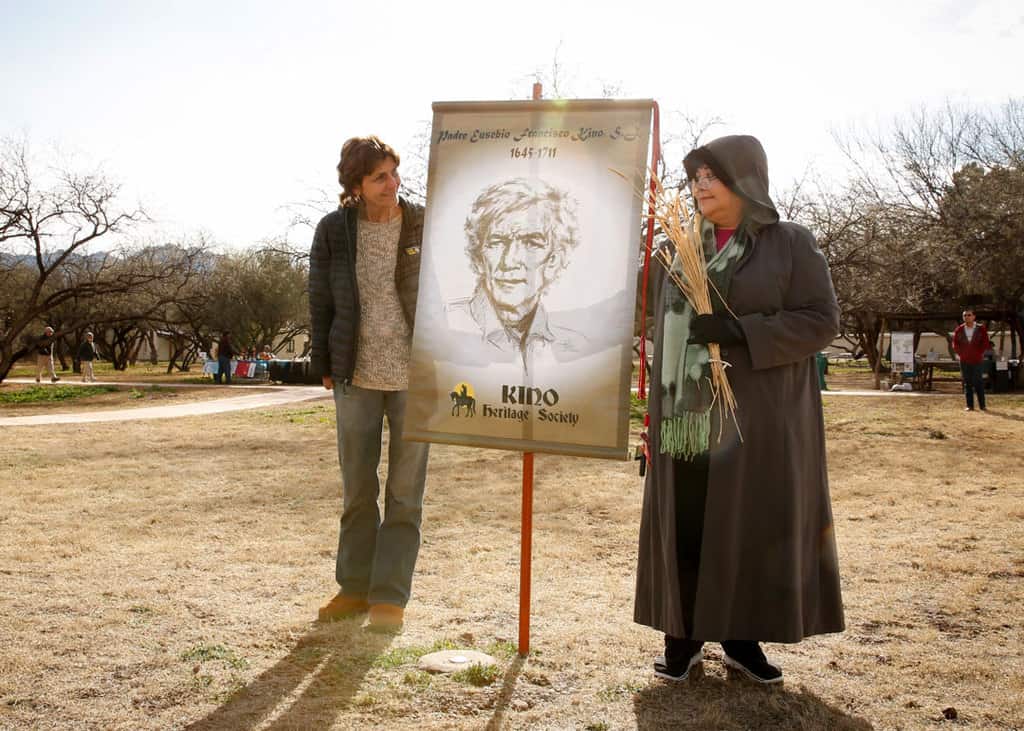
215,115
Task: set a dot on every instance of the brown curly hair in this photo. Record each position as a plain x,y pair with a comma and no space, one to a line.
359,156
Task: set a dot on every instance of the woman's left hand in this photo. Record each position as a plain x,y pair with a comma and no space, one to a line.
721,329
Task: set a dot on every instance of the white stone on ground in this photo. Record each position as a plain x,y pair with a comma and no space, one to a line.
448,661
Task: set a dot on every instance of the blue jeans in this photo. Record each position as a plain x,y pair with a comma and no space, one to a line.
974,382
223,370
376,559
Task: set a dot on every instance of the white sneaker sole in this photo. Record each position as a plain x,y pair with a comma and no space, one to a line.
694,661
736,665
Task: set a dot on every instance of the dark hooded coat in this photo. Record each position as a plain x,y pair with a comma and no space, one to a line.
768,567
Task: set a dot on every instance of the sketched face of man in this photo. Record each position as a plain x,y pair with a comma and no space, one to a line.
517,255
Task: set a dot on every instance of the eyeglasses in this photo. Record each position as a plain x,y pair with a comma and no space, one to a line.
704,182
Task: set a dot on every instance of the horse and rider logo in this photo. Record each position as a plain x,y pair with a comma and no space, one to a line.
463,397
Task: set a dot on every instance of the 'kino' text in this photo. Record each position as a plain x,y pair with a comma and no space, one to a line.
520,396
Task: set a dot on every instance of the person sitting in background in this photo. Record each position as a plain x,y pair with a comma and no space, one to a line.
266,354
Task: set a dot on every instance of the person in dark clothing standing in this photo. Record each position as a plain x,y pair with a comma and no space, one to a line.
970,341
363,285
86,355
736,534
44,356
225,352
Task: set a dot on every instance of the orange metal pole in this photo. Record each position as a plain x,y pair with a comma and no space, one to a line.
526,539
525,556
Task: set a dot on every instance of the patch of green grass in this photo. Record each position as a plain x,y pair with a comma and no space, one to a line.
307,415
39,394
637,409
417,679
399,656
478,675
597,726
206,653
136,393
841,365
202,682
502,648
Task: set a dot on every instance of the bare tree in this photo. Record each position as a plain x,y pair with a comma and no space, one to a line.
48,225
931,216
910,166
125,319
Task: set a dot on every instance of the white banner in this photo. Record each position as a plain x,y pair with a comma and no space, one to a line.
902,351
524,324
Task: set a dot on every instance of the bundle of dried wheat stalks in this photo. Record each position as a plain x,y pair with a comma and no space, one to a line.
670,210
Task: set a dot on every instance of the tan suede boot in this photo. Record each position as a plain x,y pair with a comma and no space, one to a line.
386,617
342,606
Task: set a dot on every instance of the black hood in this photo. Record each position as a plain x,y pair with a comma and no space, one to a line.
739,162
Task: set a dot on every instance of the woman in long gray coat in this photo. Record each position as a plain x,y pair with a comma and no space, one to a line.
736,537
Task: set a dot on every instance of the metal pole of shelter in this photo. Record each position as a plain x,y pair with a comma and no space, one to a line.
880,351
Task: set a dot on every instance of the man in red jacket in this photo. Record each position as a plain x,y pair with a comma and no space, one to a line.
970,341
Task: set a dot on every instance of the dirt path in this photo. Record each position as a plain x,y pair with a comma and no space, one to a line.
278,395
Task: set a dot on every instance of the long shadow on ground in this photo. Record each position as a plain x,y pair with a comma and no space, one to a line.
309,687
508,687
706,702
1004,415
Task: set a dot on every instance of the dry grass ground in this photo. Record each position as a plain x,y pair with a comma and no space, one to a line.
164,575
108,397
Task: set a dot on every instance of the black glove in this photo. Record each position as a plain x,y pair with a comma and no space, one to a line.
721,329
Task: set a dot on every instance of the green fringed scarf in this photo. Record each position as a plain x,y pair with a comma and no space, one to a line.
685,368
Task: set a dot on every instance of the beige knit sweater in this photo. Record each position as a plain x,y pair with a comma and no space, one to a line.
385,339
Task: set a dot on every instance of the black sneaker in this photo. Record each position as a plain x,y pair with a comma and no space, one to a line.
677,672
749,659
